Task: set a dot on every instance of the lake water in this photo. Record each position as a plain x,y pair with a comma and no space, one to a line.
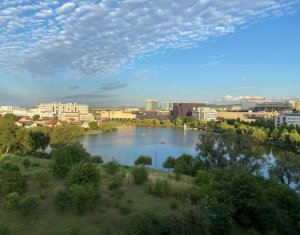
128,142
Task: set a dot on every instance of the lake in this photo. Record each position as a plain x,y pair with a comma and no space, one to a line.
128,142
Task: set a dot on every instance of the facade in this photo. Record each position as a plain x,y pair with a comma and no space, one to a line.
116,114
274,106
151,105
291,119
79,112
250,103
204,114
185,109
297,105
166,106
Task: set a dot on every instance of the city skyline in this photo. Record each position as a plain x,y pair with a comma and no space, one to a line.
209,51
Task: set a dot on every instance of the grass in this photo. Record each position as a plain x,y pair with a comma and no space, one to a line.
109,216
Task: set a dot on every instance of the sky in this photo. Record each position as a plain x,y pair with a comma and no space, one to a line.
122,52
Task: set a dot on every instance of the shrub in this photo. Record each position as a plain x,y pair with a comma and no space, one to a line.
112,167
62,198
146,223
143,161
83,174
84,197
10,201
43,177
97,159
160,188
124,208
27,204
117,183
140,175
203,178
174,205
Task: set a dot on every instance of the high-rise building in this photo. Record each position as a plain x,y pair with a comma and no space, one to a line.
204,114
185,109
151,105
166,106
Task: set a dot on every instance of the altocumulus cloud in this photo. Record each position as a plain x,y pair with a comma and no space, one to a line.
98,38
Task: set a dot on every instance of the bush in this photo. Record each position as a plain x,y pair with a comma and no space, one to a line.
97,159
143,161
112,167
62,198
146,223
10,201
43,177
11,180
124,208
84,197
174,206
41,154
140,175
27,204
203,178
83,174
117,183
160,188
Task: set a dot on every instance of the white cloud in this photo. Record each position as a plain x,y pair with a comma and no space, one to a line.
66,8
99,38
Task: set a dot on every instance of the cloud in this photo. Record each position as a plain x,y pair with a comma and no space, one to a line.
99,38
113,86
85,96
66,8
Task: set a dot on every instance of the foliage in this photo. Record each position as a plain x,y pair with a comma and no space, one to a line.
43,177
27,204
65,156
26,163
143,160
160,188
62,198
259,136
11,180
36,117
169,163
97,159
93,125
144,223
107,126
139,174
83,173
65,134
84,197
10,201
117,183
112,167
4,229
184,164
203,178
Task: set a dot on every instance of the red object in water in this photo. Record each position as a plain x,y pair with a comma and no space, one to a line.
162,142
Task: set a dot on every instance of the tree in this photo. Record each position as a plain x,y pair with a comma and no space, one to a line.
169,163
178,122
82,174
275,133
184,165
40,139
36,117
139,174
143,160
7,136
94,125
65,134
259,135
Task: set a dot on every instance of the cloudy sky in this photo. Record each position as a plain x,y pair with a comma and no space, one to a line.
121,52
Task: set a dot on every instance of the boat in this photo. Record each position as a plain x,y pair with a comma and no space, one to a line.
162,142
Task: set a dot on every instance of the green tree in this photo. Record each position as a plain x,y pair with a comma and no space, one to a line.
65,134
259,135
143,160
112,167
178,122
275,133
94,125
139,174
36,117
169,163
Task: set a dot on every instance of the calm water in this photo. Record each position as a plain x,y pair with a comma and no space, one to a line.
128,142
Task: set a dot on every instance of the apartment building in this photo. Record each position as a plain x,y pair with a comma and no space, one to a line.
204,114
291,119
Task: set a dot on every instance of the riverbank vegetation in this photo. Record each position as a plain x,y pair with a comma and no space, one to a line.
71,193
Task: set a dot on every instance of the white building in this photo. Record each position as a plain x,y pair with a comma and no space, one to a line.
68,110
291,119
151,105
250,103
166,106
204,114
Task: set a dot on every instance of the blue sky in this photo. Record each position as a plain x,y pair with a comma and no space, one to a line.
123,52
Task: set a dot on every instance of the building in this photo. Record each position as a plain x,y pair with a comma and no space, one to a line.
151,105
166,106
245,116
67,111
116,115
250,103
274,106
152,115
185,109
204,114
297,105
291,119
